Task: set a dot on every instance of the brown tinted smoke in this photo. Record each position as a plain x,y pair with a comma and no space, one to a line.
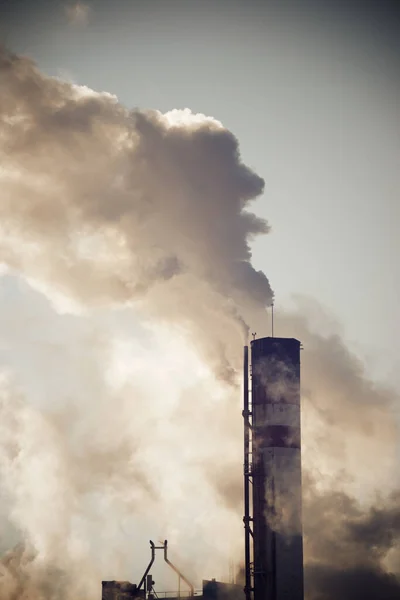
350,433
115,207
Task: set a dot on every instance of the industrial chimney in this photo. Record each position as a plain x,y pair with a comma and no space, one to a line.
272,471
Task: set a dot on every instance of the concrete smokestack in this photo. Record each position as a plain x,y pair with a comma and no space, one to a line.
276,470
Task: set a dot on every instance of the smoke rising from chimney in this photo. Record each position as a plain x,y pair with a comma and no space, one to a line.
119,206
142,220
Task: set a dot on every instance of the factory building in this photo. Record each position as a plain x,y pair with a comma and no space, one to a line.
272,486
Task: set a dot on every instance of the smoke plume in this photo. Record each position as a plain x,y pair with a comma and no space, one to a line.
349,544
119,206
135,226
350,440
127,293
350,433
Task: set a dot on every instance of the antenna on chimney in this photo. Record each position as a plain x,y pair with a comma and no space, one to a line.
272,319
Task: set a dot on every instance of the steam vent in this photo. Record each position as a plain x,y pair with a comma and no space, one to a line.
274,544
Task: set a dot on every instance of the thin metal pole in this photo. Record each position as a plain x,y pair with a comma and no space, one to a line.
272,319
246,519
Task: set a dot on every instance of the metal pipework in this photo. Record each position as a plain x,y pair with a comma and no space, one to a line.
190,586
169,563
246,518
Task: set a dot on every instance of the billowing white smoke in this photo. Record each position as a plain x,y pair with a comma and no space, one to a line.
119,206
107,443
137,223
127,294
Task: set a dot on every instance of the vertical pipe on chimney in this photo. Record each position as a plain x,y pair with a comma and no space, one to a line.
246,518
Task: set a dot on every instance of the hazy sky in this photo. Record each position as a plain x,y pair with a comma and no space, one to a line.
311,89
